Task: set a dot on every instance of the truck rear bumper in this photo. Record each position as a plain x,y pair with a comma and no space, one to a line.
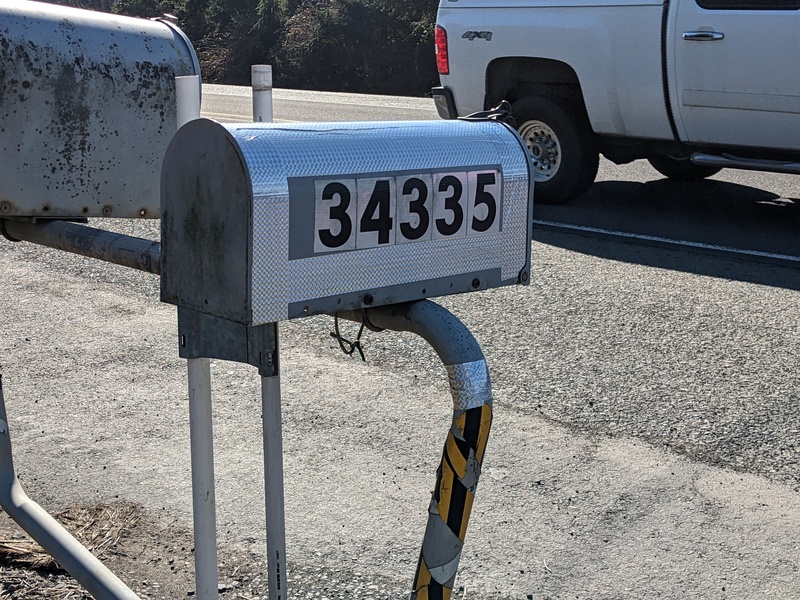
445,103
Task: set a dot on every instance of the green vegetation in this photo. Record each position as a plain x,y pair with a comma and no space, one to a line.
371,46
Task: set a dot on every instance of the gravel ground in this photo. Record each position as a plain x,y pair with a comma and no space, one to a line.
644,444
155,559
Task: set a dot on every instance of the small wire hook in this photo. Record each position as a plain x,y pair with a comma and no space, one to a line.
346,345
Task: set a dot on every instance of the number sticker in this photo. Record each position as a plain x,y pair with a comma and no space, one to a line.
484,191
334,215
373,211
449,205
414,208
376,208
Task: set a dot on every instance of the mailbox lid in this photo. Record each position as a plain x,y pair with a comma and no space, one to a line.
87,106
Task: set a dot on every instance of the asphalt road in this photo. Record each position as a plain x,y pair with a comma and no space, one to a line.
674,318
646,395
228,103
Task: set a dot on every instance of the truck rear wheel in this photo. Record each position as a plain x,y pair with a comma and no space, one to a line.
681,169
562,145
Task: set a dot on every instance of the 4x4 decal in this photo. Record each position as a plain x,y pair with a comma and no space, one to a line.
483,35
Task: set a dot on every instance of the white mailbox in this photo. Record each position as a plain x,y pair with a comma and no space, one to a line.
262,223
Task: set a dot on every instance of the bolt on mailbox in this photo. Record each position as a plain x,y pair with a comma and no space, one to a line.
263,223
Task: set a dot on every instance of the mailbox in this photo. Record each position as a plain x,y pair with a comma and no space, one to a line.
87,109
262,223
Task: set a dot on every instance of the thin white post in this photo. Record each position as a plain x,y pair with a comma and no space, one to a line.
273,486
271,404
187,95
261,76
203,496
201,431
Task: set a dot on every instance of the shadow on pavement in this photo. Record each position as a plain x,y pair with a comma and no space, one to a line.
711,212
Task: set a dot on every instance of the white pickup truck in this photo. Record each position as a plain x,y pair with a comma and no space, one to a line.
691,85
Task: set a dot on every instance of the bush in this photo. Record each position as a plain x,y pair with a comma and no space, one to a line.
370,46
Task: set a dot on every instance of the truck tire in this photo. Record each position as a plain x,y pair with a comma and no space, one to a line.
563,147
681,169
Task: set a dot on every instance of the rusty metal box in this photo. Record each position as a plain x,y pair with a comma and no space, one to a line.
87,108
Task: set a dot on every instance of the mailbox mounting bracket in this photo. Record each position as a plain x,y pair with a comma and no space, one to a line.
206,336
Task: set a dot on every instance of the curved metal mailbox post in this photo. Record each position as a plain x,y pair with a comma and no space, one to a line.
87,108
462,457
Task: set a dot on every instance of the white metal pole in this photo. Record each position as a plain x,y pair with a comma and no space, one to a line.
203,496
187,95
261,76
201,431
271,404
273,486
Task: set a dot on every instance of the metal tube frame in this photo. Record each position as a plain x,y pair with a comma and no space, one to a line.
57,541
469,386
78,238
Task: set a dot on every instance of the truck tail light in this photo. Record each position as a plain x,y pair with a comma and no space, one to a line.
442,60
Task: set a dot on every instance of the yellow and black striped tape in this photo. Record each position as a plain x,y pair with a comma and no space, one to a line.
451,506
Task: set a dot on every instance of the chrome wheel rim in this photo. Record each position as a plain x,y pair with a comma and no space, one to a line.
545,149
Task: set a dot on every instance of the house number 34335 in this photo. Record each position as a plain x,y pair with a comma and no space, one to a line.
352,213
